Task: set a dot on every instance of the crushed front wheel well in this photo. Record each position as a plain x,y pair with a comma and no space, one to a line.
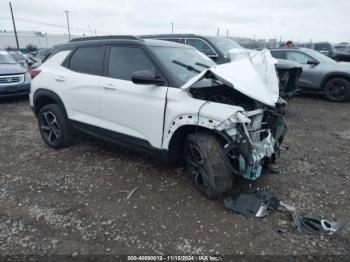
176,144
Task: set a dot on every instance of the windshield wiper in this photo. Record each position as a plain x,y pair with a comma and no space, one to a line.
202,65
188,67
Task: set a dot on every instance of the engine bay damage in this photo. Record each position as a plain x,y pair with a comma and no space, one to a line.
255,131
255,140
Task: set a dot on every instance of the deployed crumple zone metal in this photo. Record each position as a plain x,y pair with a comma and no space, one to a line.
246,137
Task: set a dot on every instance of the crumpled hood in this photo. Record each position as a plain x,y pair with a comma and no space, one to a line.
251,72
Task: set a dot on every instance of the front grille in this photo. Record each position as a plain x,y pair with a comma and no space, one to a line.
11,79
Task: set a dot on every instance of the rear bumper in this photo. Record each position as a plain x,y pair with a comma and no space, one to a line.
14,90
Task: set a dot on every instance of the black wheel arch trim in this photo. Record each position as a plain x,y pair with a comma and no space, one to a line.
327,77
45,93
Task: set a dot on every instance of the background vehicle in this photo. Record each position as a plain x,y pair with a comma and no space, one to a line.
19,57
218,49
138,94
42,53
320,73
14,78
26,60
323,47
342,52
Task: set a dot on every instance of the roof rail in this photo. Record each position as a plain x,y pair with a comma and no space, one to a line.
106,37
167,35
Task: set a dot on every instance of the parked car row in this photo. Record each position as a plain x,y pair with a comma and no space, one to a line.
299,69
14,76
339,52
204,100
219,49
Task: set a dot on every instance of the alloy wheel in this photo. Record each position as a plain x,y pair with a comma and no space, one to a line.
49,127
197,170
336,89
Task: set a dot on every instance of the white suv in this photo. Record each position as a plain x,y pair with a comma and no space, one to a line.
161,98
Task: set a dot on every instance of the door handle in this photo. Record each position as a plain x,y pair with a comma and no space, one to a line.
59,78
109,87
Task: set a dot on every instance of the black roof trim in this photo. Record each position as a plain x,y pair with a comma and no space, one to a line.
106,37
168,35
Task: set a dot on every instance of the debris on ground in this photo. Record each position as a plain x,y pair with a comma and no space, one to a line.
257,203
252,203
303,223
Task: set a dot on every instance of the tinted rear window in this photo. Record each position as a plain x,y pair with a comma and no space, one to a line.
87,60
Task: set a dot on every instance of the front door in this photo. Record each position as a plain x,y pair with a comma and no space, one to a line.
134,111
310,71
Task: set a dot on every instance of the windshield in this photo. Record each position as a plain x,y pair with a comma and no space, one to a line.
6,58
319,56
224,44
183,63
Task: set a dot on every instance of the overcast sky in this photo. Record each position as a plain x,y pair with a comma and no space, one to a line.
298,20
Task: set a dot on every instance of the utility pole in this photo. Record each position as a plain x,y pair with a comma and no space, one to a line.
172,28
226,32
68,23
218,32
14,26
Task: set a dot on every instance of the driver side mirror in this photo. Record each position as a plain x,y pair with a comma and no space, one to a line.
312,62
146,77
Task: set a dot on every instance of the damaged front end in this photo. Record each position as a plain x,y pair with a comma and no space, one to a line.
254,140
255,132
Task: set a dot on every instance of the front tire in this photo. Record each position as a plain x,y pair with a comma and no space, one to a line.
337,89
207,165
53,127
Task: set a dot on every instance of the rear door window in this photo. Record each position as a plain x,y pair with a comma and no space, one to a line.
87,60
298,57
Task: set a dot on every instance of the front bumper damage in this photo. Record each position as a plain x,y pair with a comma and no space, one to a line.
254,139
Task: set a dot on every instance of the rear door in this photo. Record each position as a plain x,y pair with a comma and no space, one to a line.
135,112
79,82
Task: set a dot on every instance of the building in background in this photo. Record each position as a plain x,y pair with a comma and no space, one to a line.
39,39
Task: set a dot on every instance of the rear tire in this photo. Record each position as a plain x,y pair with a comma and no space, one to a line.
207,165
337,89
53,127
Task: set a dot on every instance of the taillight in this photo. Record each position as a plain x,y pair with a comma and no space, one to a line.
34,72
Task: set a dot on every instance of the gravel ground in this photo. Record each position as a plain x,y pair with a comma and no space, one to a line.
75,201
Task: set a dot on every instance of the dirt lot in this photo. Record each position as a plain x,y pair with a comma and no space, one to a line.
69,201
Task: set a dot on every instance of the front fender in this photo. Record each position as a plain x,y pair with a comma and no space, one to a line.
183,110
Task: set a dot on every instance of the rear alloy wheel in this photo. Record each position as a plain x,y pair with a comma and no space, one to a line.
53,127
207,165
337,89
